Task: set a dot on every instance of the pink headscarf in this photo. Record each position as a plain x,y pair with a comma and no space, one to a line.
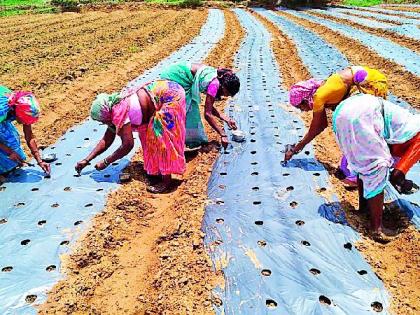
26,107
304,90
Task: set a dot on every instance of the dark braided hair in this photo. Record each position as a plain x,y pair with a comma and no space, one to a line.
229,80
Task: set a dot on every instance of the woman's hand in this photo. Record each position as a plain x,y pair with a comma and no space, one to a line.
81,165
101,165
224,141
45,167
231,124
16,158
289,152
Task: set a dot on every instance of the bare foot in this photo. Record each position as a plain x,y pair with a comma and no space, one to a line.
158,188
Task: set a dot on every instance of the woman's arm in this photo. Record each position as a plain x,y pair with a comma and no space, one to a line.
210,118
101,147
31,142
127,144
230,122
318,124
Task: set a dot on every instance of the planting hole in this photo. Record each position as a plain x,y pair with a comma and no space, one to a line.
115,163
30,298
253,140
300,222
259,222
254,163
77,175
348,246
220,202
324,300
88,205
42,222
271,303
316,174
68,154
35,189
3,221
253,152
20,204
86,139
377,307
25,242
7,269
286,174
262,243
220,220
266,272
307,152
290,188
257,202
58,163
254,173
55,205
51,268
67,188
293,204
362,272
314,271
99,189
64,243
255,188
322,189
2,188
223,173
306,243
78,222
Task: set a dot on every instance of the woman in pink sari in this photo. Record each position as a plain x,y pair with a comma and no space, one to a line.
156,111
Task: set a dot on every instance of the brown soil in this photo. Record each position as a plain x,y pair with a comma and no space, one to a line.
403,83
397,262
373,19
67,59
402,8
396,38
389,13
144,254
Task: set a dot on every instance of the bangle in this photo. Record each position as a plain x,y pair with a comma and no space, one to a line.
223,136
106,162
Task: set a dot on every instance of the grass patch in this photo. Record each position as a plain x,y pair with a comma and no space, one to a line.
182,3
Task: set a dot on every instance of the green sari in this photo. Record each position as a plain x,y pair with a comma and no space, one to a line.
193,86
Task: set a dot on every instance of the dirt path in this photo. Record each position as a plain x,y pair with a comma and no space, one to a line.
144,253
396,263
392,36
402,8
67,74
372,18
387,13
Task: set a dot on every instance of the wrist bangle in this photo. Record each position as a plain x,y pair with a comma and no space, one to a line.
106,162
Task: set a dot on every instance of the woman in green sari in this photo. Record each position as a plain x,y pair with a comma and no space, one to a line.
197,78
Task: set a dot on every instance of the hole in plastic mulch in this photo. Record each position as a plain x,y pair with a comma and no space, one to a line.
51,268
30,298
316,174
68,154
20,204
35,189
266,272
362,272
253,152
78,222
271,303
377,307
262,243
254,163
286,174
259,222
256,202
223,173
55,205
314,271
220,202
77,175
293,204
67,188
3,221
7,269
300,222
348,246
25,242
64,243
322,189
88,205
306,243
220,220
255,188
307,152
253,140
254,173
99,189
290,188
324,300
58,163
42,222
86,139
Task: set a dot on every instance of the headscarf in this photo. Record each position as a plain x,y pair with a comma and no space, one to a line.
304,90
110,109
25,106
369,81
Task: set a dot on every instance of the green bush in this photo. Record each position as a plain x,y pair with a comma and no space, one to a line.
67,5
